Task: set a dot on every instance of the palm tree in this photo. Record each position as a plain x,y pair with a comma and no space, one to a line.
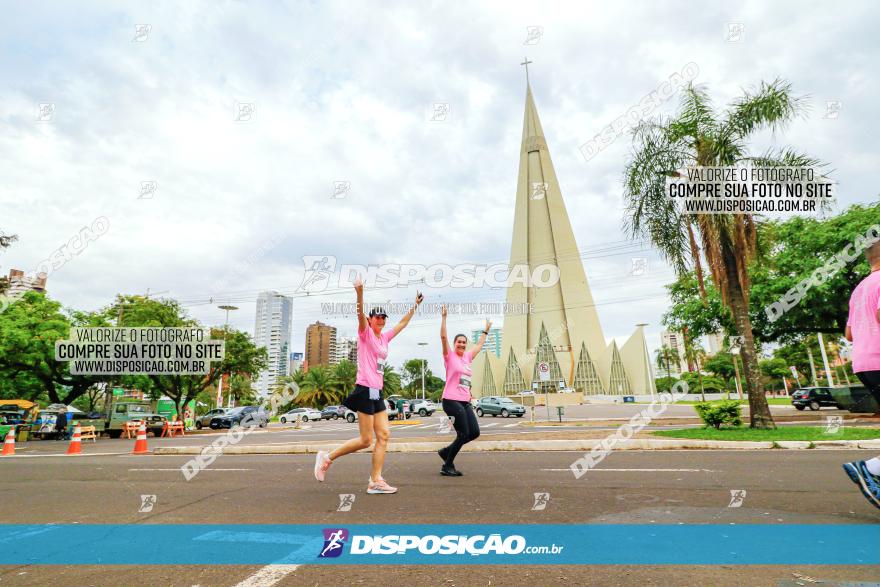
661,356
698,136
392,380
317,388
344,377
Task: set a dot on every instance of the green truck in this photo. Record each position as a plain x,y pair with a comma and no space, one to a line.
121,410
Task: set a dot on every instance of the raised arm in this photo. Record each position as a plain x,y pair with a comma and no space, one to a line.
405,320
479,346
443,331
362,319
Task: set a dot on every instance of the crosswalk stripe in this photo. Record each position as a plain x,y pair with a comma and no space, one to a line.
511,425
489,425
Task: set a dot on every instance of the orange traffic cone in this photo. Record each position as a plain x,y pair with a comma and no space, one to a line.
75,447
140,445
9,443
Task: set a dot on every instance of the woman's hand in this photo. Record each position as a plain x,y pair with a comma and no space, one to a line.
419,298
358,284
488,325
443,311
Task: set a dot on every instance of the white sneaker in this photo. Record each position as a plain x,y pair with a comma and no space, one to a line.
322,463
380,486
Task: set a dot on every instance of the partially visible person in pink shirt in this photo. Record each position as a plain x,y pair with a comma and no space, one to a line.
863,330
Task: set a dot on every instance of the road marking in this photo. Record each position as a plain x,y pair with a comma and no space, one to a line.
511,425
268,575
645,470
178,469
489,425
61,454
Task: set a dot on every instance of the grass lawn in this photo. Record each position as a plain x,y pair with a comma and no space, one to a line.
781,433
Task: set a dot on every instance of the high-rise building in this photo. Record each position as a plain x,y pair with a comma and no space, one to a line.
493,341
19,283
296,362
272,331
320,345
558,342
677,358
715,343
346,350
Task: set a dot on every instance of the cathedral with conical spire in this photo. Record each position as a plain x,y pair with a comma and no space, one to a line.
561,336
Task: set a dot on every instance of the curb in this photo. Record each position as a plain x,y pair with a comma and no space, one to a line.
541,445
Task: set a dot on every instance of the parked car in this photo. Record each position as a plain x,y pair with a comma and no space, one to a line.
349,415
499,406
392,400
333,412
813,398
304,414
235,416
424,407
205,420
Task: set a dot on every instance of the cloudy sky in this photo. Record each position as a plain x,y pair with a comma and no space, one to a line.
344,92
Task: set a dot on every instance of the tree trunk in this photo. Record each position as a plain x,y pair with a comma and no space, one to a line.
759,410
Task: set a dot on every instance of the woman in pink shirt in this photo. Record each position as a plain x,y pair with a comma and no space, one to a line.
366,399
863,330
457,394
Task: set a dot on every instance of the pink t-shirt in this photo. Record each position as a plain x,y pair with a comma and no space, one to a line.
458,376
863,306
372,351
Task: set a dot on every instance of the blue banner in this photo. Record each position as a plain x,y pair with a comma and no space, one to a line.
438,544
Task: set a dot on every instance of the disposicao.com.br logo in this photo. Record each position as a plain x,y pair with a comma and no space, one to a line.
402,544
320,272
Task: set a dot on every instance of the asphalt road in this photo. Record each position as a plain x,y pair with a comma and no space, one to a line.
690,487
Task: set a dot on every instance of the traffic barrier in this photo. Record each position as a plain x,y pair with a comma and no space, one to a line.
140,445
9,443
75,447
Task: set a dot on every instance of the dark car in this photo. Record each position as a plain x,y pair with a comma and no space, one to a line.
813,398
235,416
333,412
205,419
499,406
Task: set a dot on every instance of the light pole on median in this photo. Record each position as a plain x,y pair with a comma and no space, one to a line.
423,372
225,328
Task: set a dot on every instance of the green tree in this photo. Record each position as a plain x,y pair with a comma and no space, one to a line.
791,251
698,136
241,356
28,330
318,388
411,377
344,377
392,380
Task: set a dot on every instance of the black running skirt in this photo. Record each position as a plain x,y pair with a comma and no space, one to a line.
359,401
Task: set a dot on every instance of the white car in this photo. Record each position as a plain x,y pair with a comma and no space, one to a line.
424,407
304,414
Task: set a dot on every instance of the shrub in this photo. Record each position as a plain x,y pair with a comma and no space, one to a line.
717,414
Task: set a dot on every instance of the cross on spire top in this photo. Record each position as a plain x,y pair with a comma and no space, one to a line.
526,63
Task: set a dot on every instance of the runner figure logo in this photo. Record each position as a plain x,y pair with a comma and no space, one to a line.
541,501
147,503
346,500
833,424
737,496
318,269
445,425
334,541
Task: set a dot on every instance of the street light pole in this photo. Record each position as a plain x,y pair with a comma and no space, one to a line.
225,329
423,372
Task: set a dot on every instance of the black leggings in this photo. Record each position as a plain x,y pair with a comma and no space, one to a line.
466,426
871,379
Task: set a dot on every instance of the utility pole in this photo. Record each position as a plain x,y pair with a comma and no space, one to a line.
812,367
825,361
220,379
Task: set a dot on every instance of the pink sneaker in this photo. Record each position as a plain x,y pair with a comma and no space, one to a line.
380,486
322,463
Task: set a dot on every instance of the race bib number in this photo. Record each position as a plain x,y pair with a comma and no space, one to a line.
465,381
380,368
